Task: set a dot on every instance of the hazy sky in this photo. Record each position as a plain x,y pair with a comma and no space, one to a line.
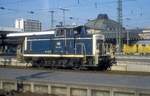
135,12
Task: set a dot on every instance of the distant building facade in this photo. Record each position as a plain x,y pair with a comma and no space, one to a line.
28,25
103,24
145,34
138,34
114,39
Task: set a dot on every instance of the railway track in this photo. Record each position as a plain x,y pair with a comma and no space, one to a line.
82,71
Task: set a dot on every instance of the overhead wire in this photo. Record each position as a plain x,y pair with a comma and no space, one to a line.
96,4
14,2
69,6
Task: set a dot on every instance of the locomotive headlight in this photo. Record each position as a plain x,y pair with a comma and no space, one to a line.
58,43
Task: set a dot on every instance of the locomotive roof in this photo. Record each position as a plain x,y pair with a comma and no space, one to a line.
66,27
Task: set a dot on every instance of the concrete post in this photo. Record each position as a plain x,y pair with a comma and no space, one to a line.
111,92
49,89
32,87
1,84
15,84
89,93
68,91
137,93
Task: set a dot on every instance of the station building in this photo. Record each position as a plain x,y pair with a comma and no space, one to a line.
134,41
109,28
103,24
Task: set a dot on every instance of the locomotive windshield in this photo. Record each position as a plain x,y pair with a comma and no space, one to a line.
60,33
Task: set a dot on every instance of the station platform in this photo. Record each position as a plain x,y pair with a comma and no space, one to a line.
132,63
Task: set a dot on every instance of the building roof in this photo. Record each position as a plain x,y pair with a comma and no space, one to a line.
102,22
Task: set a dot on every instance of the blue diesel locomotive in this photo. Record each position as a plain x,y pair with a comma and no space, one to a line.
74,47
